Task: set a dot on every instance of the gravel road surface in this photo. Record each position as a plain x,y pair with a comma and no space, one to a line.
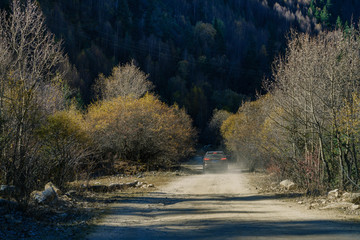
217,206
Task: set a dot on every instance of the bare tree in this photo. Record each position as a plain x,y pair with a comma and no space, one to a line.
4,64
312,83
125,80
30,84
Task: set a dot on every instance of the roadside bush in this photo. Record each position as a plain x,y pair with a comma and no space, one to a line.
65,145
143,130
242,133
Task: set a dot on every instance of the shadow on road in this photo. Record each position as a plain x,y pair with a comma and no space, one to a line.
210,227
198,208
154,198
237,229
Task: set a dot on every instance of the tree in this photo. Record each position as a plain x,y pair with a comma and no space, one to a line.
4,140
125,81
312,9
65,144
204,34
31,85
339,24
325,16
144,131
307,124
315,79
217,119
196,103
242,133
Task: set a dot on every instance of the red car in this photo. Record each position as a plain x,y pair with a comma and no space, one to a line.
215,160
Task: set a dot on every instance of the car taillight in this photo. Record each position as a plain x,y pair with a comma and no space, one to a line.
206,159
223,158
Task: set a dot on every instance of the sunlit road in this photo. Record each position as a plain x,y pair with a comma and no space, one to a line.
217,206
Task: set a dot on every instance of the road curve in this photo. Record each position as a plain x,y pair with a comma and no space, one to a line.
217,206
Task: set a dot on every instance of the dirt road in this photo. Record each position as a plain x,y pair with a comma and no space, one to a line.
217,206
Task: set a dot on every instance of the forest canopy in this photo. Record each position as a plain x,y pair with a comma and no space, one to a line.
195,52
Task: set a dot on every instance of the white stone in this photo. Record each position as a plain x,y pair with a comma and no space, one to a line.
288,184
51,185
355,207
333,194
45,196
338,205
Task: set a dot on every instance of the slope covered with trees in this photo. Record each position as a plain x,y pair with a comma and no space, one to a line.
200,54
196,52
307,126
44,137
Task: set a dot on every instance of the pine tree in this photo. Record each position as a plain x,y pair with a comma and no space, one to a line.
325,16
328,4
312,9
339,24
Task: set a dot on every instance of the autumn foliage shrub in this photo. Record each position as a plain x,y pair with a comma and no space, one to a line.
66,147
144,130
242,133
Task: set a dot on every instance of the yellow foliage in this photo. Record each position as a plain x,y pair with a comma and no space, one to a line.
141,129
251,132
65,144
349,118
243,127
271,133
64,125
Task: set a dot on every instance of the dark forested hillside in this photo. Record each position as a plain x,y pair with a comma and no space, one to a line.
201,54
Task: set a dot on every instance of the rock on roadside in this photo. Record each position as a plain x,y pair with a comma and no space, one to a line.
288,184
51,185
49,194
351,197
333,194
337,205
118,186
